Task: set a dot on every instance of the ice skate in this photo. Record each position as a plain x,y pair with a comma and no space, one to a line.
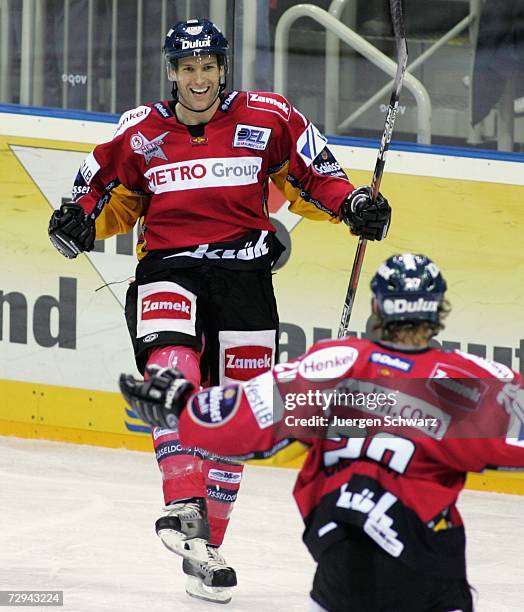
185,530
210,579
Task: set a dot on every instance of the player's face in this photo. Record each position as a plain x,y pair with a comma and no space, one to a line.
198,80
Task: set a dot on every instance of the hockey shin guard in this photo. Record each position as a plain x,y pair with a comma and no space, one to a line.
181,467
223,482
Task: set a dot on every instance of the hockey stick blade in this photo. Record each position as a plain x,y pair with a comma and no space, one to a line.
402,61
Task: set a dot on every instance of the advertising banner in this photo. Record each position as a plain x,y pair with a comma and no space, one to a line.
63,337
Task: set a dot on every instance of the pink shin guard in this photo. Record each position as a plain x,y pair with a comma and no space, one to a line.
185,474
181,468
222,482
185,471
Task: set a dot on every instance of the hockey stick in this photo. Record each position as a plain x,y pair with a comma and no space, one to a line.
402,60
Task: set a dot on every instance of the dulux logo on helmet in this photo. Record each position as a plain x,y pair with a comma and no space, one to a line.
401,305
196,44
408,286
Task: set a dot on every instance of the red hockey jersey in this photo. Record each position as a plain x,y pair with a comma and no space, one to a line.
453,413
203,184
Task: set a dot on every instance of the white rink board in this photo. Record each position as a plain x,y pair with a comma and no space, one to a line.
80,519
357,158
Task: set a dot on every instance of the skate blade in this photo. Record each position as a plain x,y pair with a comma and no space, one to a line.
196,588
193,549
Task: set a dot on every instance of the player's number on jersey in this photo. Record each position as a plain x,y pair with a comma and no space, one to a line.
383,448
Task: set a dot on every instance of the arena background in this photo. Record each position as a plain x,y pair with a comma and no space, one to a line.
63,337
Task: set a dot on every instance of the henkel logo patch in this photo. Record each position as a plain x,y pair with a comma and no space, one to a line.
331,362
166,305
273,104
246,362
251,137
202,173
131,117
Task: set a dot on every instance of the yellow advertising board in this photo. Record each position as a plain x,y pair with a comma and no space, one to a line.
63,338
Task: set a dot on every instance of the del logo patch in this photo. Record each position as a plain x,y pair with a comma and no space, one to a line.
251,137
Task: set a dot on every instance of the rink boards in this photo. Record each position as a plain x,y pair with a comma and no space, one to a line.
63,342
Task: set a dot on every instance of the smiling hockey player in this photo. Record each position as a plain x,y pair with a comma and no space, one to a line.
195,171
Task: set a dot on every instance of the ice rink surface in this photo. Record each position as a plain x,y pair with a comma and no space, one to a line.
80,519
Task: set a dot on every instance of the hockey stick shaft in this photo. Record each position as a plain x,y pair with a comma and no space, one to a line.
402,60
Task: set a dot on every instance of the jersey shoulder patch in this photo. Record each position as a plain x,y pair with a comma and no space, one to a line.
131,117
228,101
496,369
269,102
162,109
310,145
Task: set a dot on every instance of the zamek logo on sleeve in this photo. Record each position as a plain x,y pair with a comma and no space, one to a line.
273,104
246,362
202,173
166,305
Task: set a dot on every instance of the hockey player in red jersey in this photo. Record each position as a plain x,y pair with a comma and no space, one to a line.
194,170
379,504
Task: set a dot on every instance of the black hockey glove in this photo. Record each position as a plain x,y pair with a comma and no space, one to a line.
159,400
71,231
367,219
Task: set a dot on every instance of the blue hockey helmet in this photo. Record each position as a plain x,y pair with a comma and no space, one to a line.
408,287
193,38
